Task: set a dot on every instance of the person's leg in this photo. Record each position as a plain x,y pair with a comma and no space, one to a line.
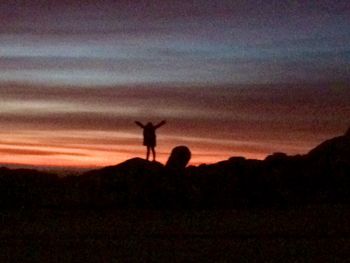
147,155
153,153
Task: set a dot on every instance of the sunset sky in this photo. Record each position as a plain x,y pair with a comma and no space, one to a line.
232,78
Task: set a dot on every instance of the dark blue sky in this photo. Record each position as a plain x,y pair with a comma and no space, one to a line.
191,42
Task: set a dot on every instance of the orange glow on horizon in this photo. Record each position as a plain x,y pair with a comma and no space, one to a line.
54,149
94,127
109,159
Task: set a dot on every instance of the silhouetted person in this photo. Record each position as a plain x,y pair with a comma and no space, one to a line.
149,137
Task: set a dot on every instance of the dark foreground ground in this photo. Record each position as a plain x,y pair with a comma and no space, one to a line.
318,233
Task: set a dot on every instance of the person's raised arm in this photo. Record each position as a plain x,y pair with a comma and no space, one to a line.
160,124
140,124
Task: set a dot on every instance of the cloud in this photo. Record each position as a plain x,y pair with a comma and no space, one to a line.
213,69
234,108
10,151
96,124
108,42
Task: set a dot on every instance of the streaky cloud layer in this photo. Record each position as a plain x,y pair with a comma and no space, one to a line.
218,42
230,77
87,127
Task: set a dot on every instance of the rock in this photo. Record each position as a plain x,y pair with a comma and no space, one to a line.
179,158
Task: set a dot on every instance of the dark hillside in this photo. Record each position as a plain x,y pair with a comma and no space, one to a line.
321,176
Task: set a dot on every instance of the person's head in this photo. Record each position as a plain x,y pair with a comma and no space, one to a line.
149,124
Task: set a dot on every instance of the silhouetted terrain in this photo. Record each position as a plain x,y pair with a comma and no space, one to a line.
321,176
281,209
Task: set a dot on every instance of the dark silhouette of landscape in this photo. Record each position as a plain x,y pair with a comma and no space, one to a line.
320,176
284,208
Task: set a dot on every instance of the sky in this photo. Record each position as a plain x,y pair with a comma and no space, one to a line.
232,78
